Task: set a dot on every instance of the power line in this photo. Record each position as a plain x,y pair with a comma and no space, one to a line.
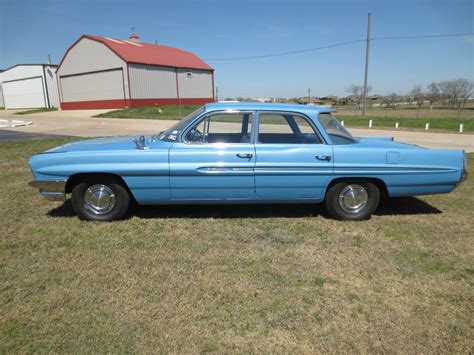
340,45
426,36
290,52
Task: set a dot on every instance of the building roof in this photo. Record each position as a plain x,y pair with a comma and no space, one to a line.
24,65
147,53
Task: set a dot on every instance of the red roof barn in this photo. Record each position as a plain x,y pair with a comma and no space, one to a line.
99,72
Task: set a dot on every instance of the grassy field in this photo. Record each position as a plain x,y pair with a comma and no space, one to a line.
438,124
233,278
36,110
170,112
409,112
439,119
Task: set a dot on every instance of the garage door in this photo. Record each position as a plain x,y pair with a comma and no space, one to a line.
98,86
26,93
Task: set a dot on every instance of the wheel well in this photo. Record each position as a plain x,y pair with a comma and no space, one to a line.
378,182
75,179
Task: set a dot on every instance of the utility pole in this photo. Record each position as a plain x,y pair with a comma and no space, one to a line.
309,96
364,103
49,59
217,94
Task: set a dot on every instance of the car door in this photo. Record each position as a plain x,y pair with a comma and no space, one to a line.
293,162
215,159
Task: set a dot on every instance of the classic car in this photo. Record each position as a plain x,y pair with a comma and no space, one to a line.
244,153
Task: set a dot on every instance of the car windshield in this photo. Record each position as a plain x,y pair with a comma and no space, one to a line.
172,133
335,130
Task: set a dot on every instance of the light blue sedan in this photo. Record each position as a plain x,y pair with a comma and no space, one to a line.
244,153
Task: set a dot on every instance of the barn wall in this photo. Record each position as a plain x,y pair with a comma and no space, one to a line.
98,86
89,56
151,81
86,80
199,85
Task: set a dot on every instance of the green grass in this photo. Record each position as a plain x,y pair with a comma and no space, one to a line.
267,278
36,110
436,123
170,112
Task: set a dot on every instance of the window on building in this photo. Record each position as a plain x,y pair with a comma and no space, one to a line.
189,74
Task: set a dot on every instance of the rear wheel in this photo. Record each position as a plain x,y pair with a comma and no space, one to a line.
100,200
352,200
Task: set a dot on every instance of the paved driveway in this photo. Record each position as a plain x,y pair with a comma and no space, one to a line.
82,124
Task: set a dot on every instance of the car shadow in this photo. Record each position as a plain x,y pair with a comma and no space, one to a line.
388,207
405,206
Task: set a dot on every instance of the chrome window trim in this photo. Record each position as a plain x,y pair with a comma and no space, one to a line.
218,112
302,115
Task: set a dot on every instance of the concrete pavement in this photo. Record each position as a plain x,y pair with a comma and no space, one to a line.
82,124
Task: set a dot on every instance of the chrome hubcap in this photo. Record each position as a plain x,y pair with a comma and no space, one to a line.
99,199
353,198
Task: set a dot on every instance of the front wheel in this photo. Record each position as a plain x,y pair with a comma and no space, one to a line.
100,200
352,201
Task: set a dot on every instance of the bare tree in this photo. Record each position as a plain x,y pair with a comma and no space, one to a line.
418,97
393,99
455,93
465,88
385,104
433,94
448,93
357,93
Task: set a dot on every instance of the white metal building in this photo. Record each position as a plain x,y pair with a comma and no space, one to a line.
98,72
30,86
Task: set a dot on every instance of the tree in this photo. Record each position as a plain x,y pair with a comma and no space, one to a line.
393,99
432,95
465,88
357,93
455,93
418,98
385,104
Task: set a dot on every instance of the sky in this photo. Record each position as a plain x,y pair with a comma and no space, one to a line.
213,29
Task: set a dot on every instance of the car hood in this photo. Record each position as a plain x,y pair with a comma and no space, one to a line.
384,142
111,143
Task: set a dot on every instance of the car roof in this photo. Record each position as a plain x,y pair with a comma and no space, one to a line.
265,107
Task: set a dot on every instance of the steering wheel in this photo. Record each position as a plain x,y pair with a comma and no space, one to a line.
195,135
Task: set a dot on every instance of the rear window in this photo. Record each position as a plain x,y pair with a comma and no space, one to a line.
335,130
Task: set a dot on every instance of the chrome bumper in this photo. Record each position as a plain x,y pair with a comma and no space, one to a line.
53,190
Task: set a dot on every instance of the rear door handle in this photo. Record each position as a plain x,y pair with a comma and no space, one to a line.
323,157
245,156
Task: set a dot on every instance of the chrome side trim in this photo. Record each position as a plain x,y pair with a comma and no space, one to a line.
219,170
52,190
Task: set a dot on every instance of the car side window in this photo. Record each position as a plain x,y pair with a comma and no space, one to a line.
286,128
234,127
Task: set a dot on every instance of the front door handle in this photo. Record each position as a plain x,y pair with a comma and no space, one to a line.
323,157
245,156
